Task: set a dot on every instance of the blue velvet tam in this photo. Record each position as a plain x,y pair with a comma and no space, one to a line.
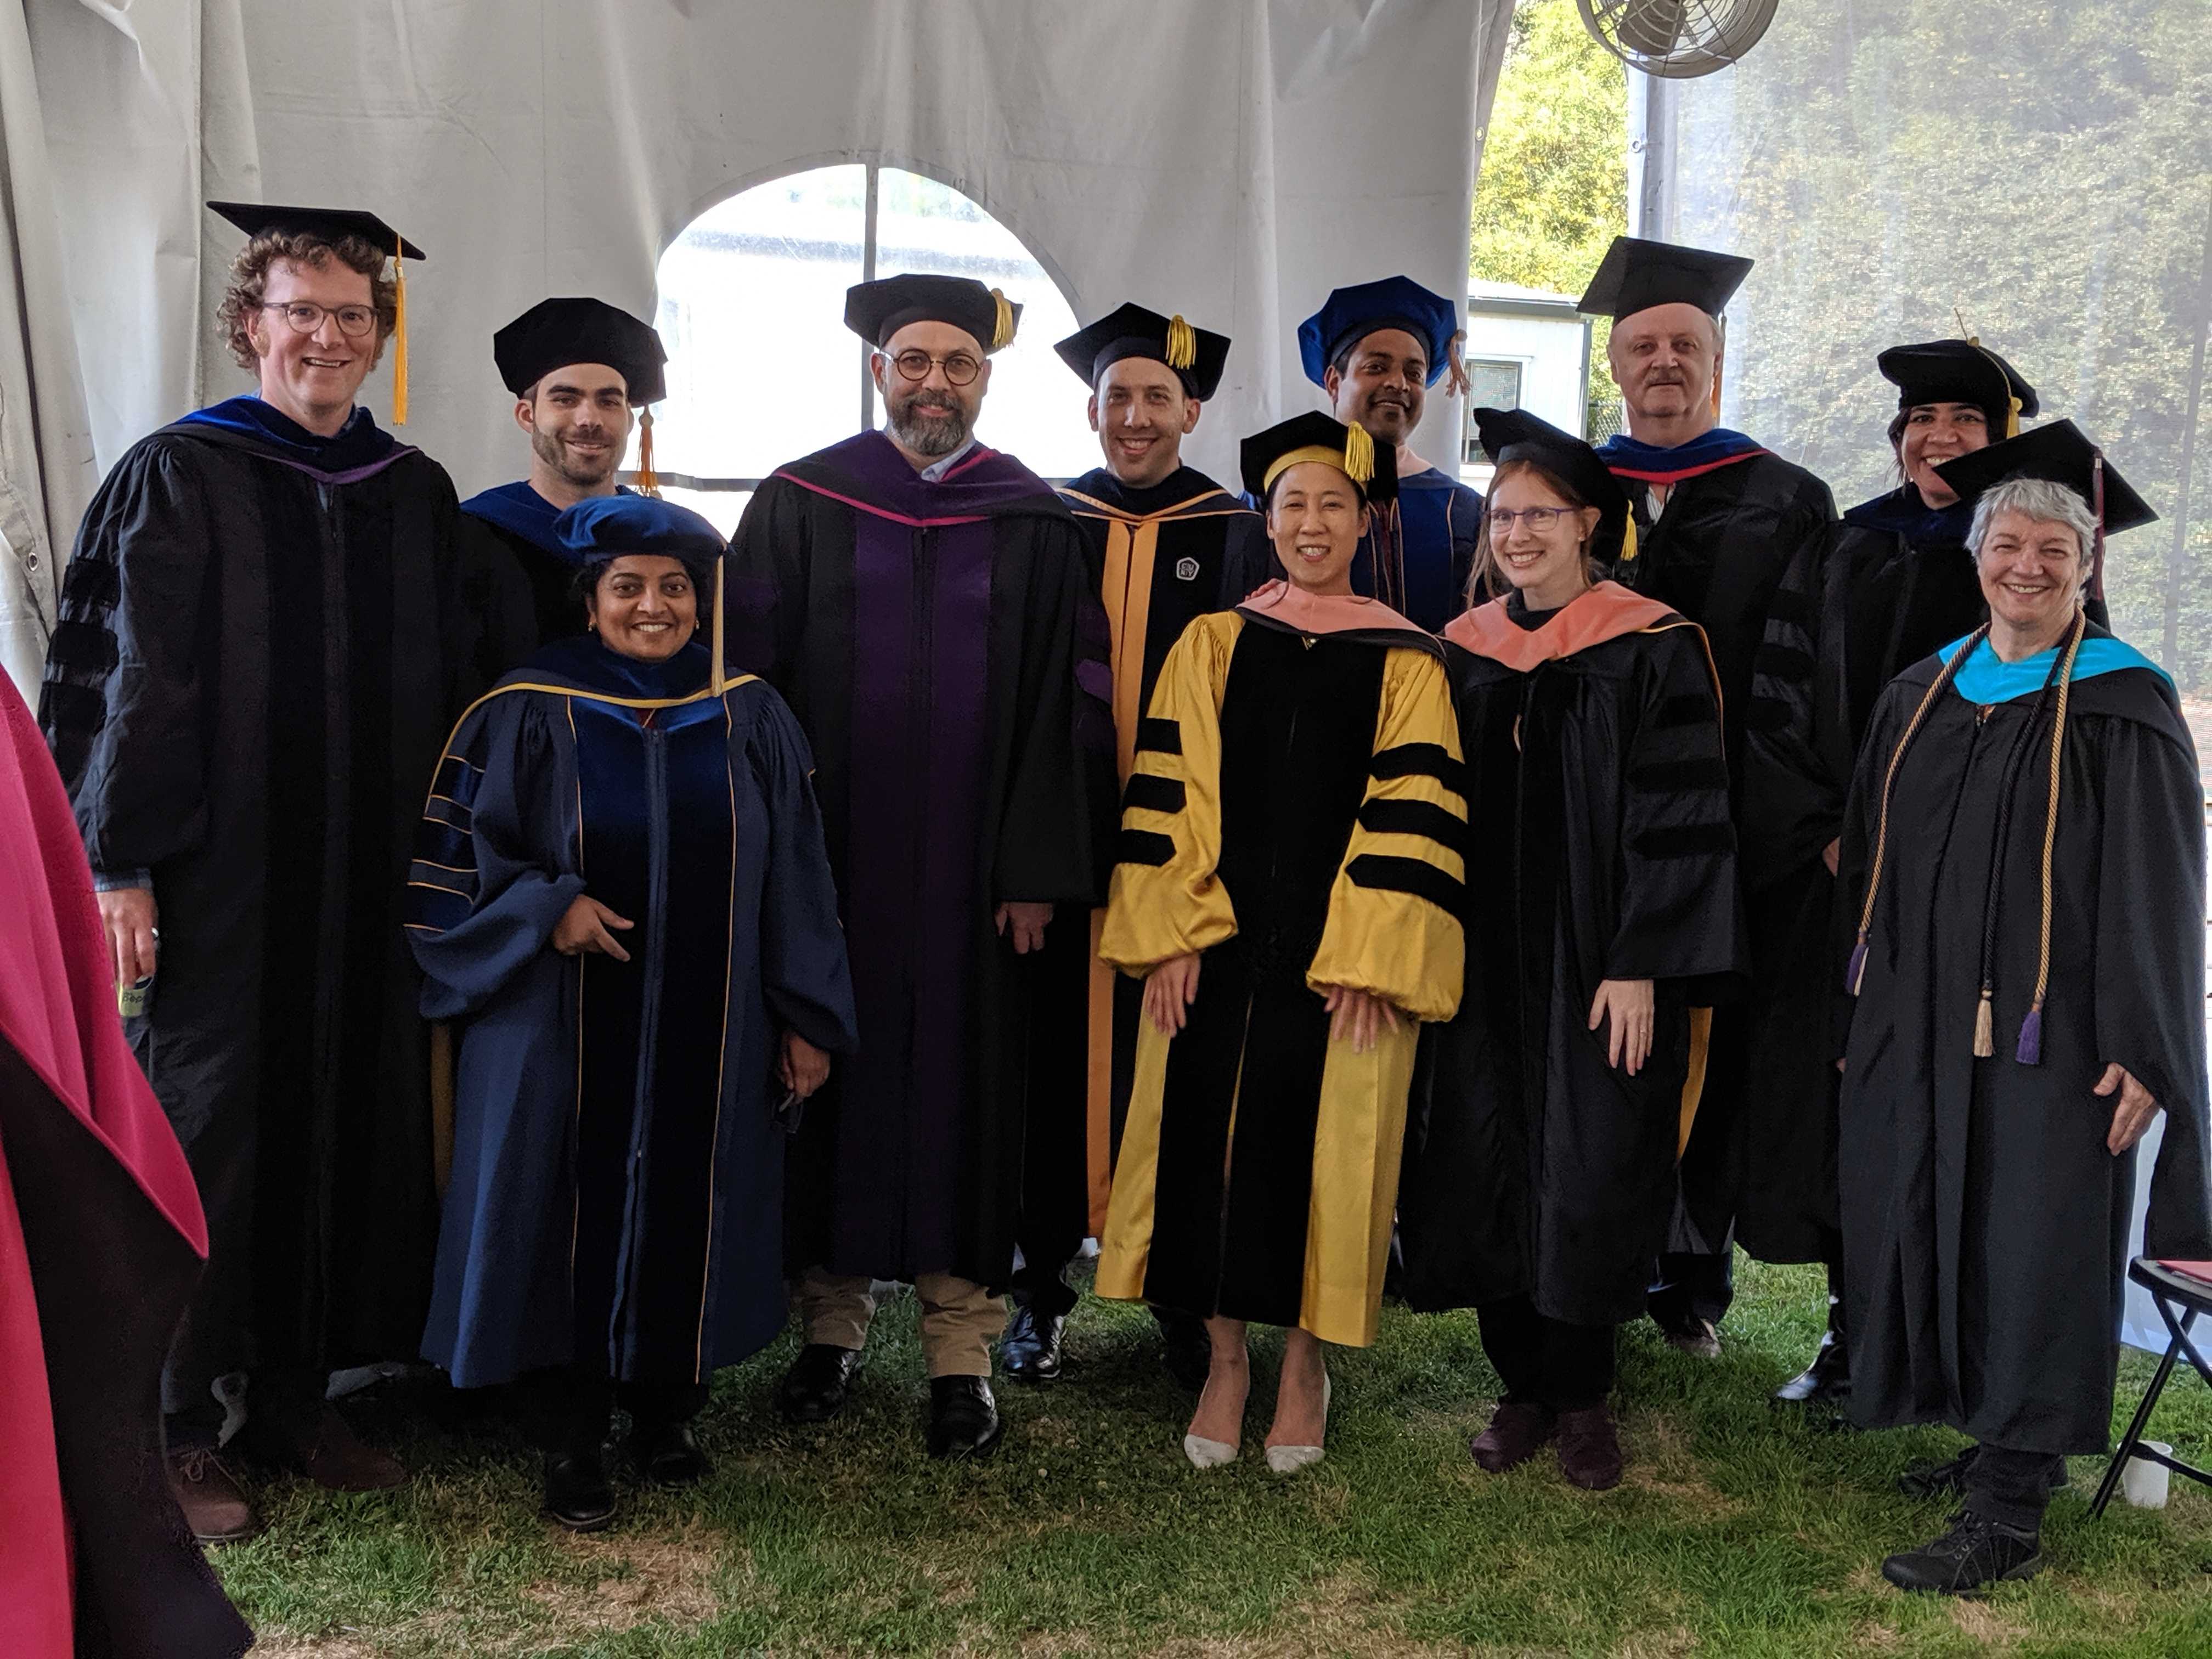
1349,315
608,527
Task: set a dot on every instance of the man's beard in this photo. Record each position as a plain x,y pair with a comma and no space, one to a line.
1397,419
926,432
551,450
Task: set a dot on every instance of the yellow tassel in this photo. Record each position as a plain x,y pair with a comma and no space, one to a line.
1182,345
648,480
400,341
1359,454
2012,417
1628,540
1002,326
1986,1043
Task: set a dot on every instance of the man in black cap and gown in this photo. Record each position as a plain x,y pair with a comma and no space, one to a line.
267,630
913,594
1717,519
583,372
1166,543
1891,584
1374,350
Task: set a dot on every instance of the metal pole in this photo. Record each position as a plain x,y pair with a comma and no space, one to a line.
868,274
1651,108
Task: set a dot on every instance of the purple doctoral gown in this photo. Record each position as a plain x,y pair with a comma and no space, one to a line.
924,634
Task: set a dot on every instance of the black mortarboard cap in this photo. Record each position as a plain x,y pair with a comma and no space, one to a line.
1637,275
1958,372
876,311
260,218
554,333
1514,434
1197,355
2056,451
1318,437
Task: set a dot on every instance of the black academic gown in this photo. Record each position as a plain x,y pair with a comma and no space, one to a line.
1156,557
1986,1226
1882,590
1717,552
616,1195
508,531
1598,806
924,634
264,638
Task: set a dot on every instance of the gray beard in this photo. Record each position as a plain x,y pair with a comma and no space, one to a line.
934,435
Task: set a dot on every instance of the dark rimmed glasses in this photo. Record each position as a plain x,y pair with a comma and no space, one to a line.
1538,519
354,321
960,368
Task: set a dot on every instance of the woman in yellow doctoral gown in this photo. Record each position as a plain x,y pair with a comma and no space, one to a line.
1289,884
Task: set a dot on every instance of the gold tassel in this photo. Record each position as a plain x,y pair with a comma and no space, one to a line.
1359,454
1002,325
2012,417
2011,404
1628,539
719,674
399,340
648,480
1182,345
1986,1043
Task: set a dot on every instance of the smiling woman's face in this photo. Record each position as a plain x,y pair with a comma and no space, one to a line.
645,606
2031,572
1315,516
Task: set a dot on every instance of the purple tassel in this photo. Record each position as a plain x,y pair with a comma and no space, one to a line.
1858,969
2030,1052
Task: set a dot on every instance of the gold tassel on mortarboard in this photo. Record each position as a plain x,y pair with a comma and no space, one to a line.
1002,325
2011,404
648,480
1359,454
1628,539
1182,345
399,339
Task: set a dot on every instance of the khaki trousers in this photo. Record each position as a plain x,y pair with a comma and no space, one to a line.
959,1317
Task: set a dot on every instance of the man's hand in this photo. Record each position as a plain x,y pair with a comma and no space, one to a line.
1024,923
128,916
1169,989
1358,1016
1831,855
583,927
1628,1005
805,1067
2132,1115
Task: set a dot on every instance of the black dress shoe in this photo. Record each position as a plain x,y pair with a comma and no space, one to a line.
1976,1553
1189,1350
668,1453
577,1491
1029,1350
814,1387
963,1418
1825,1382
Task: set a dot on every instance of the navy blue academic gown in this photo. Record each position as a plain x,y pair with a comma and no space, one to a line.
615,1198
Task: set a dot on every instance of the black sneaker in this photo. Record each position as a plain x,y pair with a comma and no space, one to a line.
1976,1553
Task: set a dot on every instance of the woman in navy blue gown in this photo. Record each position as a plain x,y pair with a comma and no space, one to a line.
622,901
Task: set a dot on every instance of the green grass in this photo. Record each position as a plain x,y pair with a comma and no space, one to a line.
1739,1530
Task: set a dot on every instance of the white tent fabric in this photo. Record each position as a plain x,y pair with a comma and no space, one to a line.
1233,158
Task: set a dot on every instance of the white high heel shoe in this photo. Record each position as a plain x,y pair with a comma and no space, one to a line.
1289,1460
1206,1454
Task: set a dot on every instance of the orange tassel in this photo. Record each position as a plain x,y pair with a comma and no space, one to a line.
399,340
648,480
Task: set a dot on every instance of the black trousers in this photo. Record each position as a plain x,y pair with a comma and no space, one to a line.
1702,1284
570,1408
2012,1486
1547,1362
1040,1283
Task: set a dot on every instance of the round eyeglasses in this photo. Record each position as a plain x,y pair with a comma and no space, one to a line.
960,368
354,321
1538,519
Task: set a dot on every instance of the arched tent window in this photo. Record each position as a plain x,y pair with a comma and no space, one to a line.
761,367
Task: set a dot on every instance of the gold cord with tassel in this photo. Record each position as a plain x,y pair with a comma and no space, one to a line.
1002,325
400,339
2011,404
1183,344
1359,454
648,480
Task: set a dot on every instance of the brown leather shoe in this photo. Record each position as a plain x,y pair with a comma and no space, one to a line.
1590,1450
321,1445
214,1509
1516,1433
